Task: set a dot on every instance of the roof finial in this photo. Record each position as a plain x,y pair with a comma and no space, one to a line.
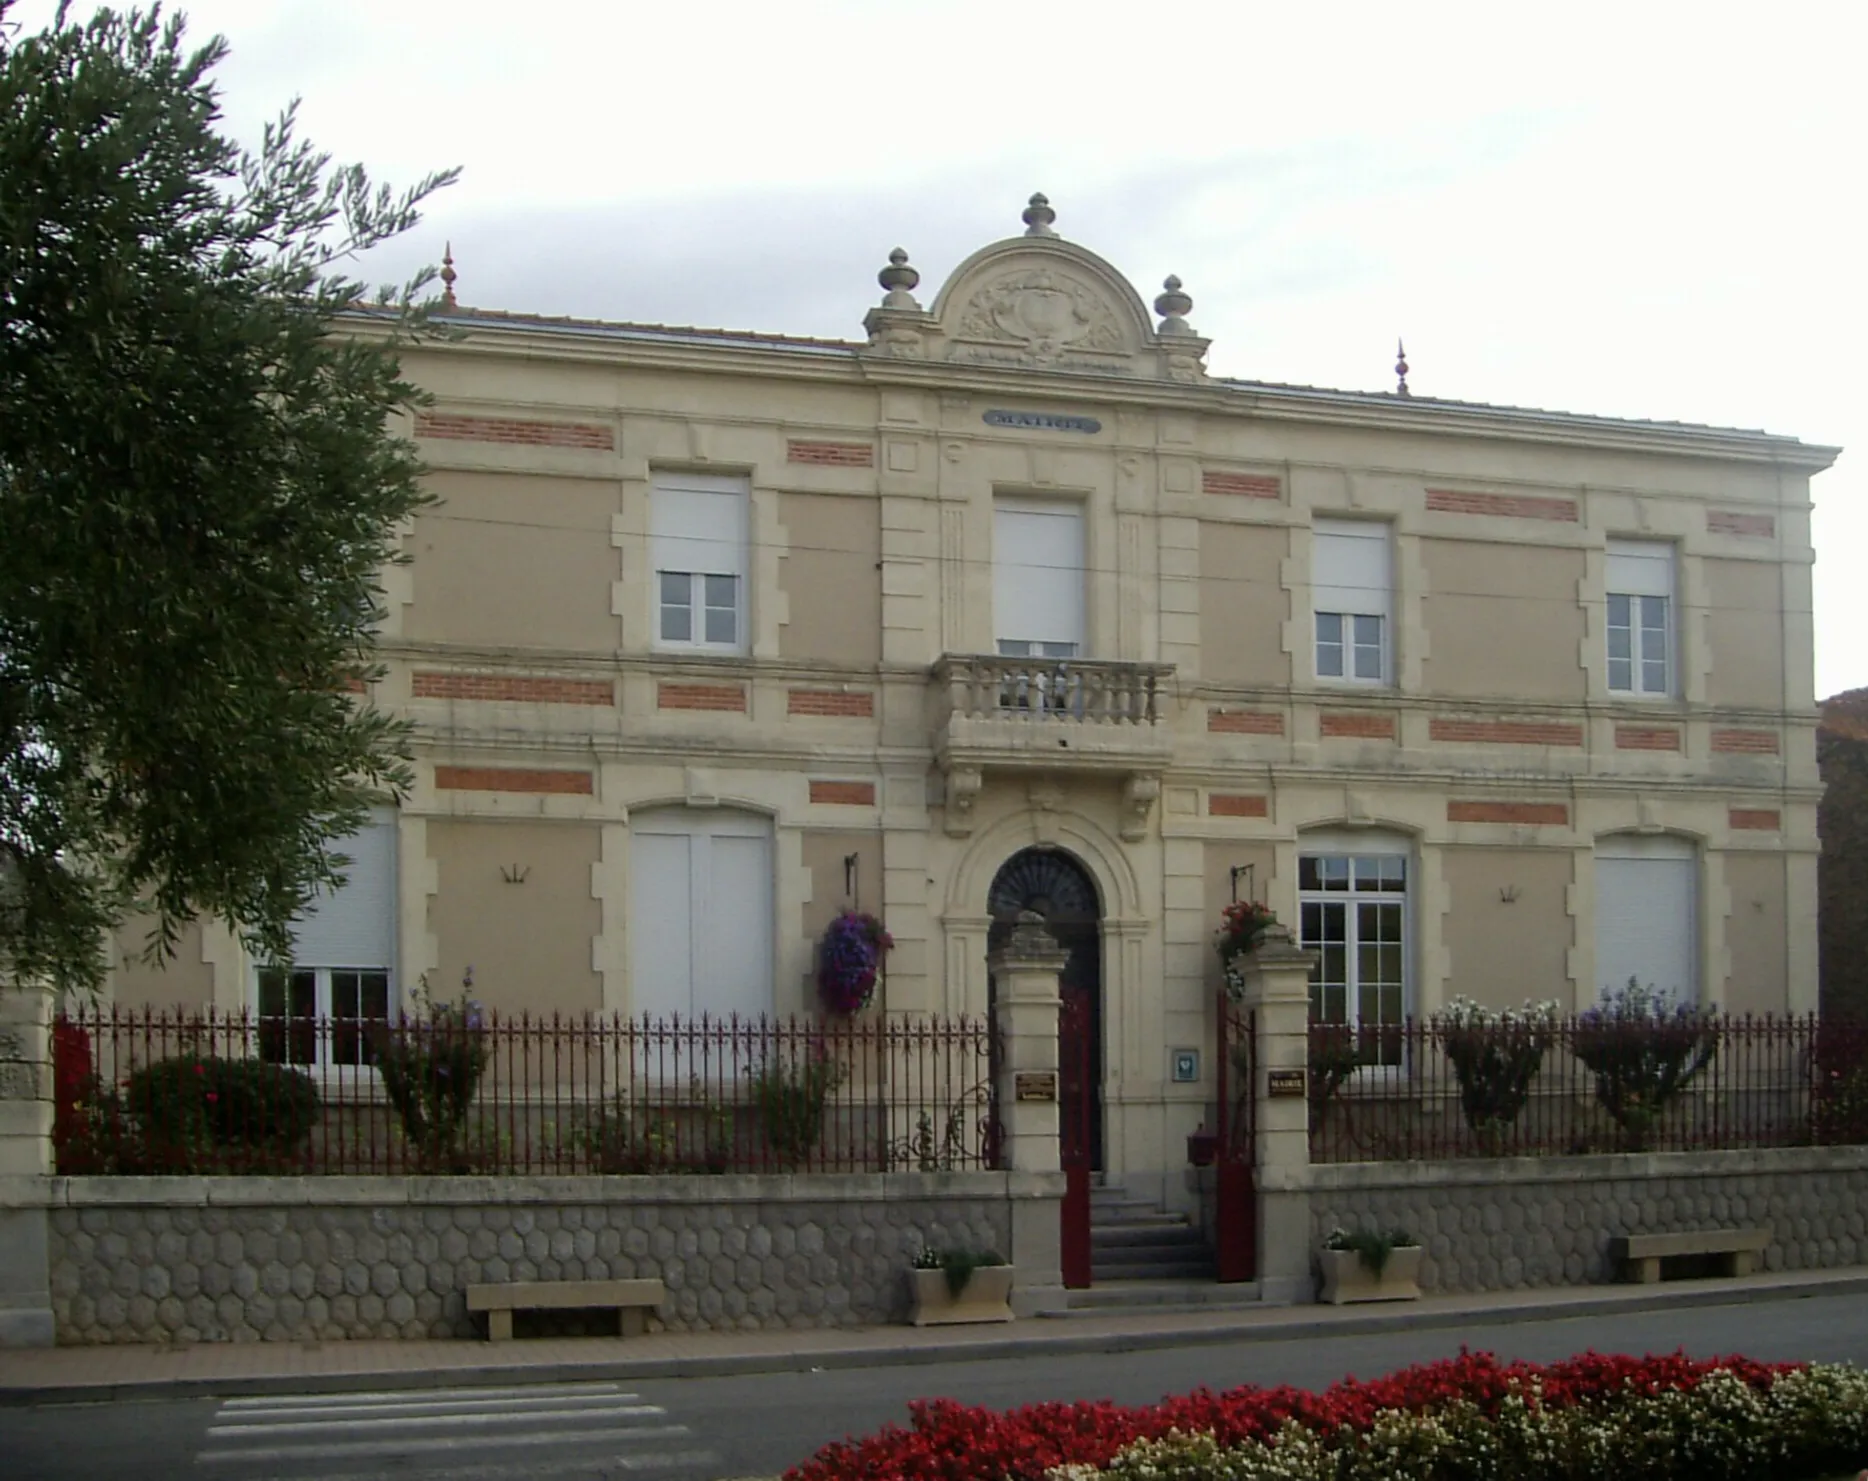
1173,306
448,276
1401,370
898,280
1039,216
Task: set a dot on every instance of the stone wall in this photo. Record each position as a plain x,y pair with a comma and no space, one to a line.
1515,1223
254,1259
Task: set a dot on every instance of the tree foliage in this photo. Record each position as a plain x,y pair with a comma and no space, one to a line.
199,487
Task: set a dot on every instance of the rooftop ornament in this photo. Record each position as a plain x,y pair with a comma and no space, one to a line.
898,281
1039,216
1401,370
1173,306
448,276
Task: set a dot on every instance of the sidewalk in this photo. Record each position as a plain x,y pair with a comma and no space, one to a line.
94,1374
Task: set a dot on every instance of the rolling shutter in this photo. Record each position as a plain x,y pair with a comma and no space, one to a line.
699,524
356,927
1647,916
1350,568
1037,573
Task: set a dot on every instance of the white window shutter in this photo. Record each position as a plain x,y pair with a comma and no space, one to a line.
1642,568
698,524
738,978
1037,573
1351,570
662,923
356,927
1647,917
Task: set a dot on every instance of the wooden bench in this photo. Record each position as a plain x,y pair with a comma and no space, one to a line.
1640,1254
631,1298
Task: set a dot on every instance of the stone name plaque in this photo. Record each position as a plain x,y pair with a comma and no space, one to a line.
1284,1084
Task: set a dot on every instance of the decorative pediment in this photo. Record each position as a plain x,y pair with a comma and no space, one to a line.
1037,302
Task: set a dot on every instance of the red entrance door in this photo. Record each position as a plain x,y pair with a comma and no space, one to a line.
1076,1106
1236,1197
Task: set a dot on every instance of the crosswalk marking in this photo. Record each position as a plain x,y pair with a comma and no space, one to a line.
441,1426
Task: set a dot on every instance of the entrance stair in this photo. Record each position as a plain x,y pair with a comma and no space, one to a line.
1144,1259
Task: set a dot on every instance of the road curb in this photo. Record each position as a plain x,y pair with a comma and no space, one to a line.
1288,1324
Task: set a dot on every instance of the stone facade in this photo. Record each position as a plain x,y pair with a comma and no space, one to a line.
1524,1223
251,1260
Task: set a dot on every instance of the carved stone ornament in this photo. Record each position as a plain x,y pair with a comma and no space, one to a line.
1045,313
1139,792
963,788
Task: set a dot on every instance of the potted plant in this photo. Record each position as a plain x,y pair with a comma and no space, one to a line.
1370,1265
959,1285
848,959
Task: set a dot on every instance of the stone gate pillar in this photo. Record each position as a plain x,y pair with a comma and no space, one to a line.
25,1164
1277,990
1026,1002
1025,986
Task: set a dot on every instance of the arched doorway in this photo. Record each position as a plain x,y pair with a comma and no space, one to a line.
1053,884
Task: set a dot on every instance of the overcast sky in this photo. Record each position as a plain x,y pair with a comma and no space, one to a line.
1635,209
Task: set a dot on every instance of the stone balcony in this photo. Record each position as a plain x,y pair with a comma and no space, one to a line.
1037,715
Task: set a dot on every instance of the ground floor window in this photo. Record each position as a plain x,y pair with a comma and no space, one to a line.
701,913
1647,914
342,950
1353,912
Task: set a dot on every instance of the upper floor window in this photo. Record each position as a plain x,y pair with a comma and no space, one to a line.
1037,578
1352,585
1640,612
698,544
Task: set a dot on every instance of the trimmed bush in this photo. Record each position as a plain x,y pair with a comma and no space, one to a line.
202,1113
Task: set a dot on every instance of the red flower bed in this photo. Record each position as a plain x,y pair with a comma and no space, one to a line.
946,1441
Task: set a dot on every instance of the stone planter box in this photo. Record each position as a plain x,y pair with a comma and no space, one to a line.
982,1299
1346,1278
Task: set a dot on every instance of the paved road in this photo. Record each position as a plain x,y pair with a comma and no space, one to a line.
706,1428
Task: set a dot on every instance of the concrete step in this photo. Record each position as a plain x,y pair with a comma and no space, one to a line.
1157,1297
1142,1223
1167,1231
1153,1270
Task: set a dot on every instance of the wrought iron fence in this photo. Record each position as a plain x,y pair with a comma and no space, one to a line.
207,1092
1428,1089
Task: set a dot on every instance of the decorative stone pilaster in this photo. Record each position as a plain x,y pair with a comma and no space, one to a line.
1276,988
25,1164
1024,974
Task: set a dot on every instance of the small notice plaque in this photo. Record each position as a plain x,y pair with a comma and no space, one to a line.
1283,1084
1035,1085
1044,421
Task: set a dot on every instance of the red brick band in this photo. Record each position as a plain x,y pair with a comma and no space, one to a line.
1764,819
514,688
591,435
1745,742
731,697
1252,485
1245,722
859,705
1506,732
1508,812
1646,738
511,779
1727,522
1357,724
1237,805
1508,506
847,794
832,454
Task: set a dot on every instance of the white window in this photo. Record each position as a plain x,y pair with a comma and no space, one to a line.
1037,578
701,914
1352,911
1647,915
1640,612
343,948
698,544
1352,587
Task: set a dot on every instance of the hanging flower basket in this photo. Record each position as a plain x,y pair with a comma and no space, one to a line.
849,959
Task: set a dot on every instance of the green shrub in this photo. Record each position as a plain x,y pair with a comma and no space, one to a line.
431,1064
204,1113
1645,1051
1496,1055
632,1137
790,1093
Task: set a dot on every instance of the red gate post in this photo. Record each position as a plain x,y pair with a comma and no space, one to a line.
1277,994
1025,972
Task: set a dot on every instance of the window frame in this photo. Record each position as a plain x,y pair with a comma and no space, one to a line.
322,1062
1664,556
1348,615
1379,851
672,554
